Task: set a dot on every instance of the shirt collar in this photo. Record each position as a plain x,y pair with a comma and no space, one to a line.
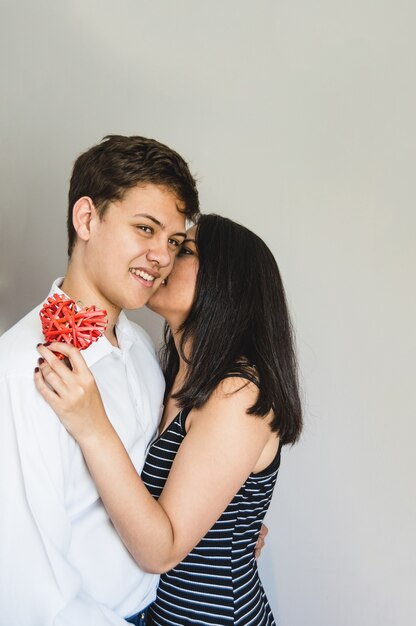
100,348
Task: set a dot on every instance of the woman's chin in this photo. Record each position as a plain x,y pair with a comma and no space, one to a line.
153,306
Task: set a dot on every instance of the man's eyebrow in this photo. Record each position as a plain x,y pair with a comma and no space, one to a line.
157,222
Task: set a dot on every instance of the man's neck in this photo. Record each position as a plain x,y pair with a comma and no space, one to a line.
77,287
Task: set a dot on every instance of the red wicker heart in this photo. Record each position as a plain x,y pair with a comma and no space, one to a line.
62,322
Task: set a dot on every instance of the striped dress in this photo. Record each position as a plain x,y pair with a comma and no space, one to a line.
218,582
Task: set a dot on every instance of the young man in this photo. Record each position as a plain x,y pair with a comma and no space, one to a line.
61,561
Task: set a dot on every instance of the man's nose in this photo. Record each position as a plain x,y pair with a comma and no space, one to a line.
159,252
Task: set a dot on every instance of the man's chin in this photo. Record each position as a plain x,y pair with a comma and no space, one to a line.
134,304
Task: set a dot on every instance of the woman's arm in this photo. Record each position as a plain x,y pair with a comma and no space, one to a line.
215,458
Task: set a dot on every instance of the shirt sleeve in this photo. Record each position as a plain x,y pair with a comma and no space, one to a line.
38,585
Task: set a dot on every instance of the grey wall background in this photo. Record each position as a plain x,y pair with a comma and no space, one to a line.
298,118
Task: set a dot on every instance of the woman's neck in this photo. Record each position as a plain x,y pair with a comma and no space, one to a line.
183,366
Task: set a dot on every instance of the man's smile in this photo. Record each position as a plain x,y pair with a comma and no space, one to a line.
146,277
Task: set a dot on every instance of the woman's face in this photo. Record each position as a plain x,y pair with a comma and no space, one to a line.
173,300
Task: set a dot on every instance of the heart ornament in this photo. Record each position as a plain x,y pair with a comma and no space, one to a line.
62,321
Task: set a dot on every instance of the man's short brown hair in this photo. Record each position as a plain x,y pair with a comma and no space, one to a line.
106,171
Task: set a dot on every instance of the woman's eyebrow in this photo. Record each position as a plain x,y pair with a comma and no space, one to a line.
186,240
157,222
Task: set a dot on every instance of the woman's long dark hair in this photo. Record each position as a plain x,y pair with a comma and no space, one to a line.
239,317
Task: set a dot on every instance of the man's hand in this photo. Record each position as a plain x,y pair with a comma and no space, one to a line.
260,541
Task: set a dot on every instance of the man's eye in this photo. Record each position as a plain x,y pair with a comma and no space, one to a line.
174,243
146,229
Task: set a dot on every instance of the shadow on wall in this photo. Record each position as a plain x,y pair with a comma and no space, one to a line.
266,566
5,294
151,322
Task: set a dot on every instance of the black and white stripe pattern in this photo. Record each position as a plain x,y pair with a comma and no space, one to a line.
218,582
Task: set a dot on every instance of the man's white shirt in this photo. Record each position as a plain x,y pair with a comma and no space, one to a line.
61,561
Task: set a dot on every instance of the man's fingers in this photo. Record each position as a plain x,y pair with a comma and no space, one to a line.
260,541
263,531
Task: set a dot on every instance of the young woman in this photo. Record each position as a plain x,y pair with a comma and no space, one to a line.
231,403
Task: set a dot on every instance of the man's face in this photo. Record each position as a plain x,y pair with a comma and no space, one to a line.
133,247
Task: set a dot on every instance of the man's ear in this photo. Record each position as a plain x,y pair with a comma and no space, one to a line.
83,213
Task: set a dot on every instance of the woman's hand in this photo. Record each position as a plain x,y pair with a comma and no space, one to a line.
73,394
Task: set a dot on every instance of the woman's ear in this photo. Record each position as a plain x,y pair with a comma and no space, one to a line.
83,213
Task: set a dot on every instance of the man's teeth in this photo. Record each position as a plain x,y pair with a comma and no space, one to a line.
142,274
